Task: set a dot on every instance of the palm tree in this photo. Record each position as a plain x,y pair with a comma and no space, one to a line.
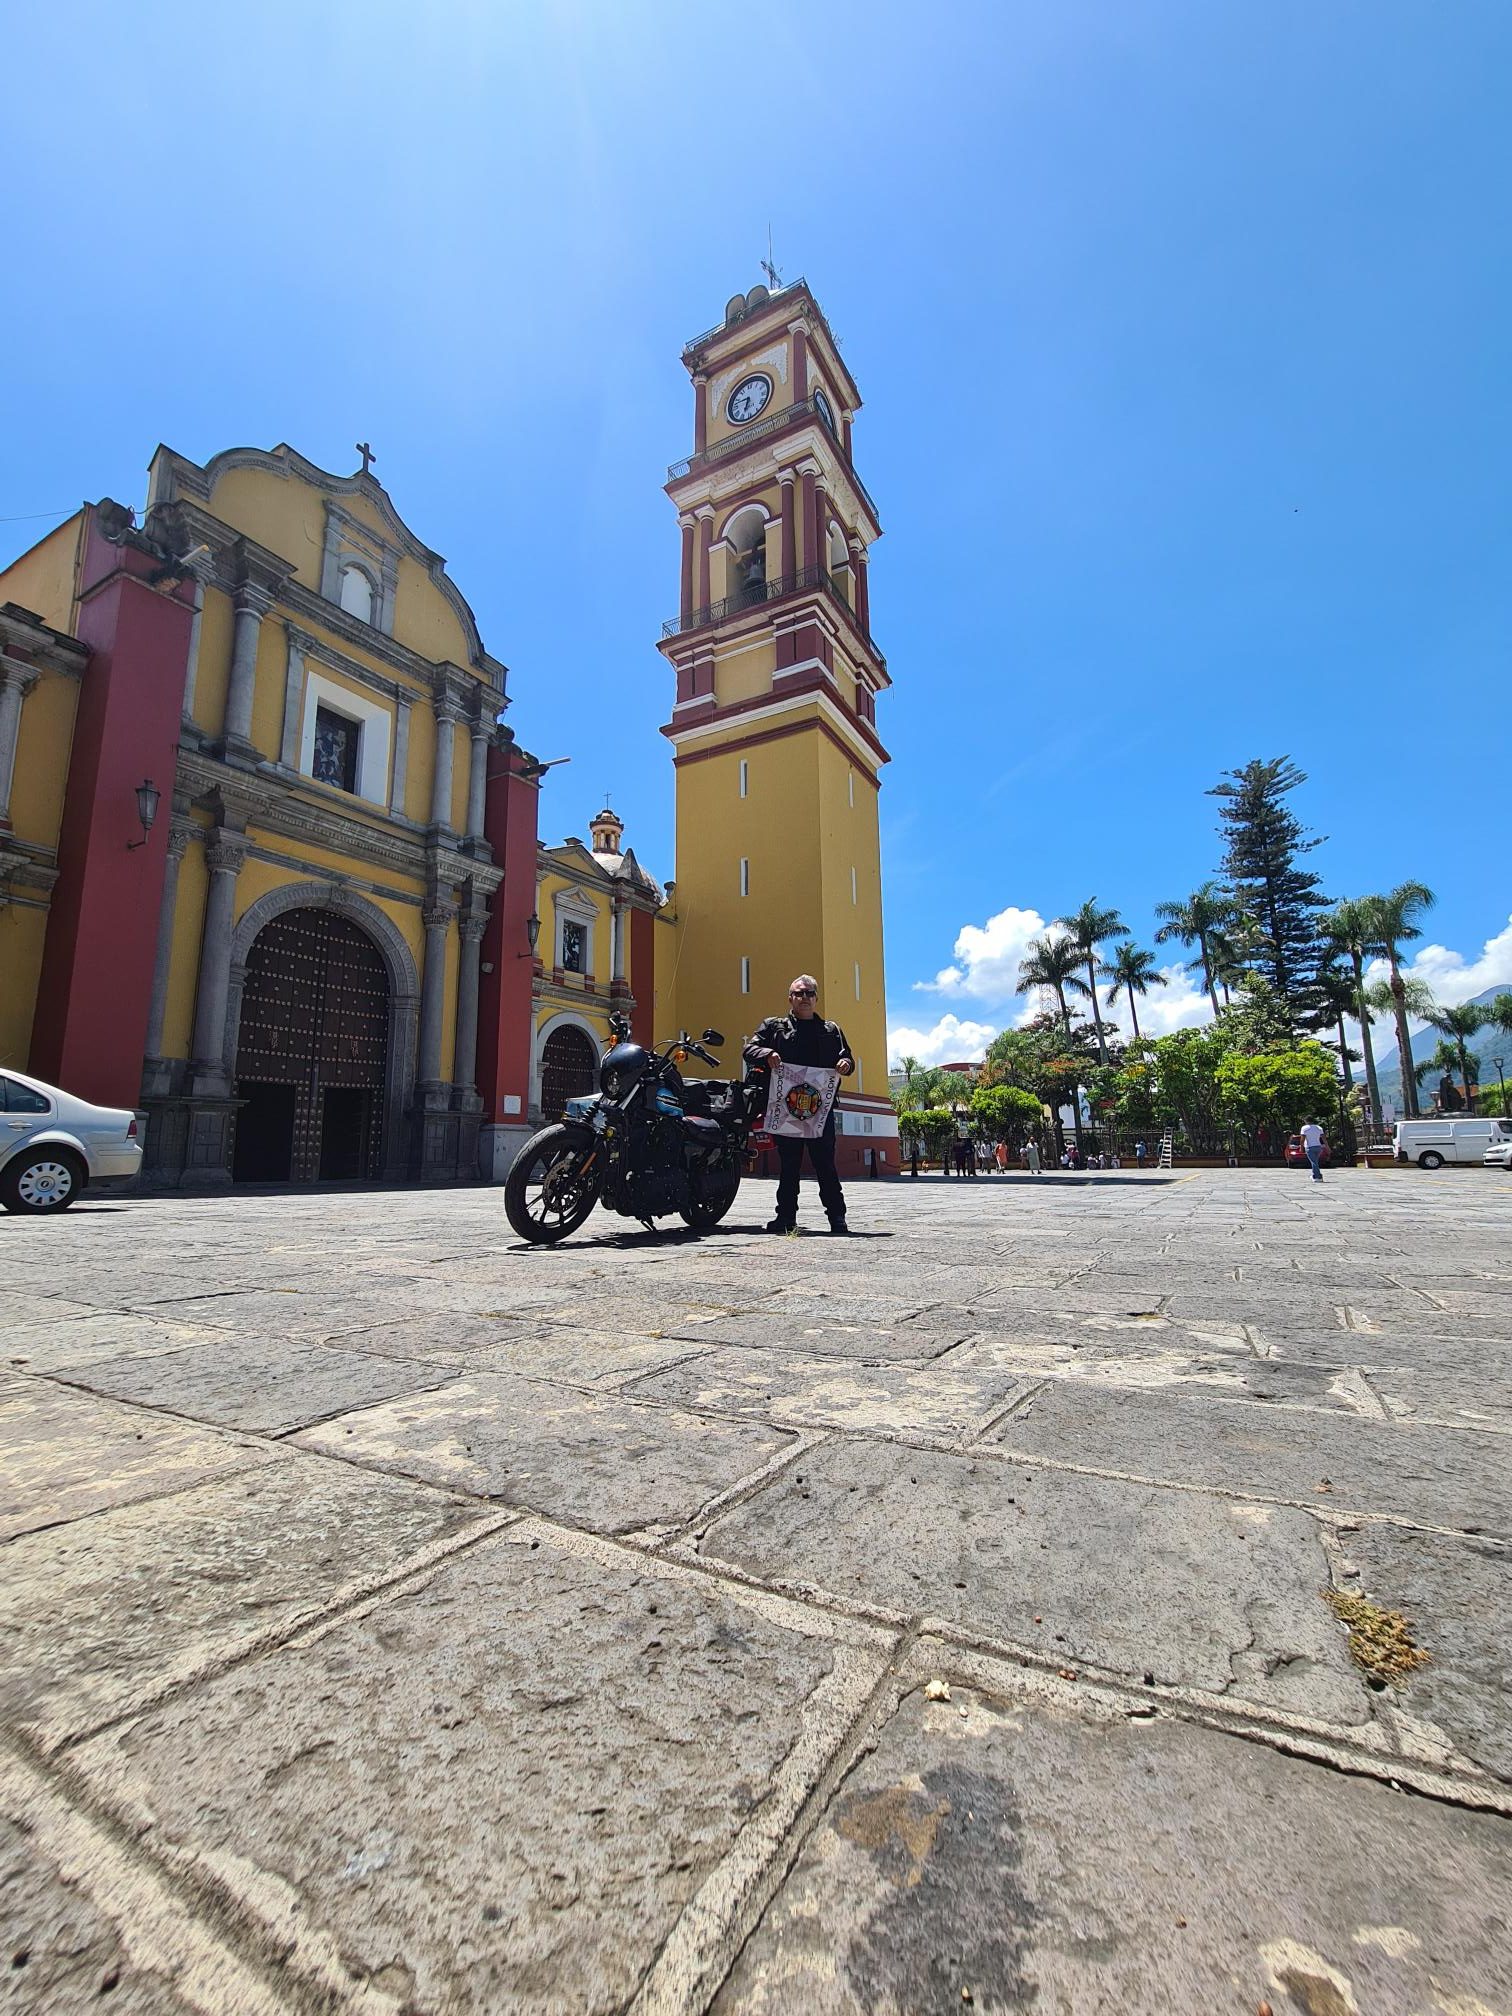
910,1069
1499,1013
1052,962
1417,1003
1198,921
1135,970
1459,1025
1350,930
1339,1000
1393,919
1089,928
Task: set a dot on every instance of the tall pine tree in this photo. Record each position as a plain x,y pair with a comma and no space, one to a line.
1280,901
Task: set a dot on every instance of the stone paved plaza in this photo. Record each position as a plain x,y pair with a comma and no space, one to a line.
399,1620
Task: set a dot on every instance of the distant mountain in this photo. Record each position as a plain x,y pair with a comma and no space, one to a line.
1489,1043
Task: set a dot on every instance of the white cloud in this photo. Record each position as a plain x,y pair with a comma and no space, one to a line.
950,1041
1451,976
987,956
1181,1004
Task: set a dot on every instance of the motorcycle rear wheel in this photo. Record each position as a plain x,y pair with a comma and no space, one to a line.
705,1212
551,1186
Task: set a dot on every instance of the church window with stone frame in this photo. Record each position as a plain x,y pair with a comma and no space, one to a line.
745,976
356,592
574,946
334,759
745,778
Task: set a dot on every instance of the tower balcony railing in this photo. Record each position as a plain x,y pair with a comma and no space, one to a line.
762,430
755,594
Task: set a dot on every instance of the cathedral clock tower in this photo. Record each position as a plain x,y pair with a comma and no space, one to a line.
774,722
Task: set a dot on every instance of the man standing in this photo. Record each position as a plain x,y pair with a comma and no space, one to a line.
802,1036
1312,1143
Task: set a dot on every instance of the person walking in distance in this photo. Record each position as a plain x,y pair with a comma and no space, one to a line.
802,1036
1032,1157
1312,1144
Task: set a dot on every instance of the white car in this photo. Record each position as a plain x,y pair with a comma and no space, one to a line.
52,1144
1463,1138
1498,1155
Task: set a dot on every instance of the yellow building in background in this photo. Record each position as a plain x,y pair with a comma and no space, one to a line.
778,761
285,966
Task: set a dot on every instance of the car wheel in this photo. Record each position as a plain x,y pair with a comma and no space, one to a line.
48,1179
1429,1159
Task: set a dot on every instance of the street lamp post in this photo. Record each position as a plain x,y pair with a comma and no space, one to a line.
1500,1063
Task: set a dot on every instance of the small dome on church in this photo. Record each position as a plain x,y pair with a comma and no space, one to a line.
608,831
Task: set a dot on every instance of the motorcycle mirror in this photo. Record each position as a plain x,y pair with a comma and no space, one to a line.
712,1036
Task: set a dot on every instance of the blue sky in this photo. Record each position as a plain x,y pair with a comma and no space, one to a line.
1182,327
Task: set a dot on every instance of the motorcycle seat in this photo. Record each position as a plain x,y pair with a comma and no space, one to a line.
700,1129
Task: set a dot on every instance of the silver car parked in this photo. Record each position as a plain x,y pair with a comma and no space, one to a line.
52,1144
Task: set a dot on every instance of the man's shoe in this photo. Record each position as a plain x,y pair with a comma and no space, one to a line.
782,1225
838,1225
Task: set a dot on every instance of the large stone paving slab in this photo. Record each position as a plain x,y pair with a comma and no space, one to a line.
140,1598
266,1387
941,1399
1002,1855
67,1454
1458,1595
60,1954
499,1790
84,1340
591,1461
1433,1476
1196,1591
1235,1375
812,1334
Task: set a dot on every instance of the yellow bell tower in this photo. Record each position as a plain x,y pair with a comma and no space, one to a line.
778,761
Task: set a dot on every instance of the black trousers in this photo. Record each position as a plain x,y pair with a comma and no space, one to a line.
821,1154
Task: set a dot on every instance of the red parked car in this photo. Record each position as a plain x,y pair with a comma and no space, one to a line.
1296,1154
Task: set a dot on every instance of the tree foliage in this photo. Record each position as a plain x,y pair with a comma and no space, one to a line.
1264,845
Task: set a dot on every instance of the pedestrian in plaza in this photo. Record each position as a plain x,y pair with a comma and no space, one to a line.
1032,1158
802,1036
1140,1152
1312,1145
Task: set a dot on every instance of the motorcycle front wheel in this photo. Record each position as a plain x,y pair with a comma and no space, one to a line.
552,1185
705,1212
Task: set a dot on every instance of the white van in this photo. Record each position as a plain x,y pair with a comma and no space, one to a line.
1432,1143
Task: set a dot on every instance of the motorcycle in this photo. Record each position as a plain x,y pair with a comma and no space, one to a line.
647,1144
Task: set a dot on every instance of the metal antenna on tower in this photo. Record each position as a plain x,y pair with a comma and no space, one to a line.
774,278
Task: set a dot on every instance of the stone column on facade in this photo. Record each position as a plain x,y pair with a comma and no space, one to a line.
477,778
437,917
251,604
705,515
808,471
786,479
225,857
465,1062
799,333
293,712
821,524
686,522
16,681
401,755
447,716
862,592
191,667
700,412
180,833
617,945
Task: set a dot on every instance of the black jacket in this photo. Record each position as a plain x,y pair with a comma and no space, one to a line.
813,1042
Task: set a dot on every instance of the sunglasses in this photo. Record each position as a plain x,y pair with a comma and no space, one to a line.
803,994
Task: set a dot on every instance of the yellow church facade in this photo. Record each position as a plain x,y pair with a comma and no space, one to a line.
288,969
777,757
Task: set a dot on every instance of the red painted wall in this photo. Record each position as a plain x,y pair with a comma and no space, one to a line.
504,1002
643,977
96,984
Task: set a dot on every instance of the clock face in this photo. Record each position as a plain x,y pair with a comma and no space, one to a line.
749,397
825,411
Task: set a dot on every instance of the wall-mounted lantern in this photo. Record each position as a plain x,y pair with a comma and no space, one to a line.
147,796
533,933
